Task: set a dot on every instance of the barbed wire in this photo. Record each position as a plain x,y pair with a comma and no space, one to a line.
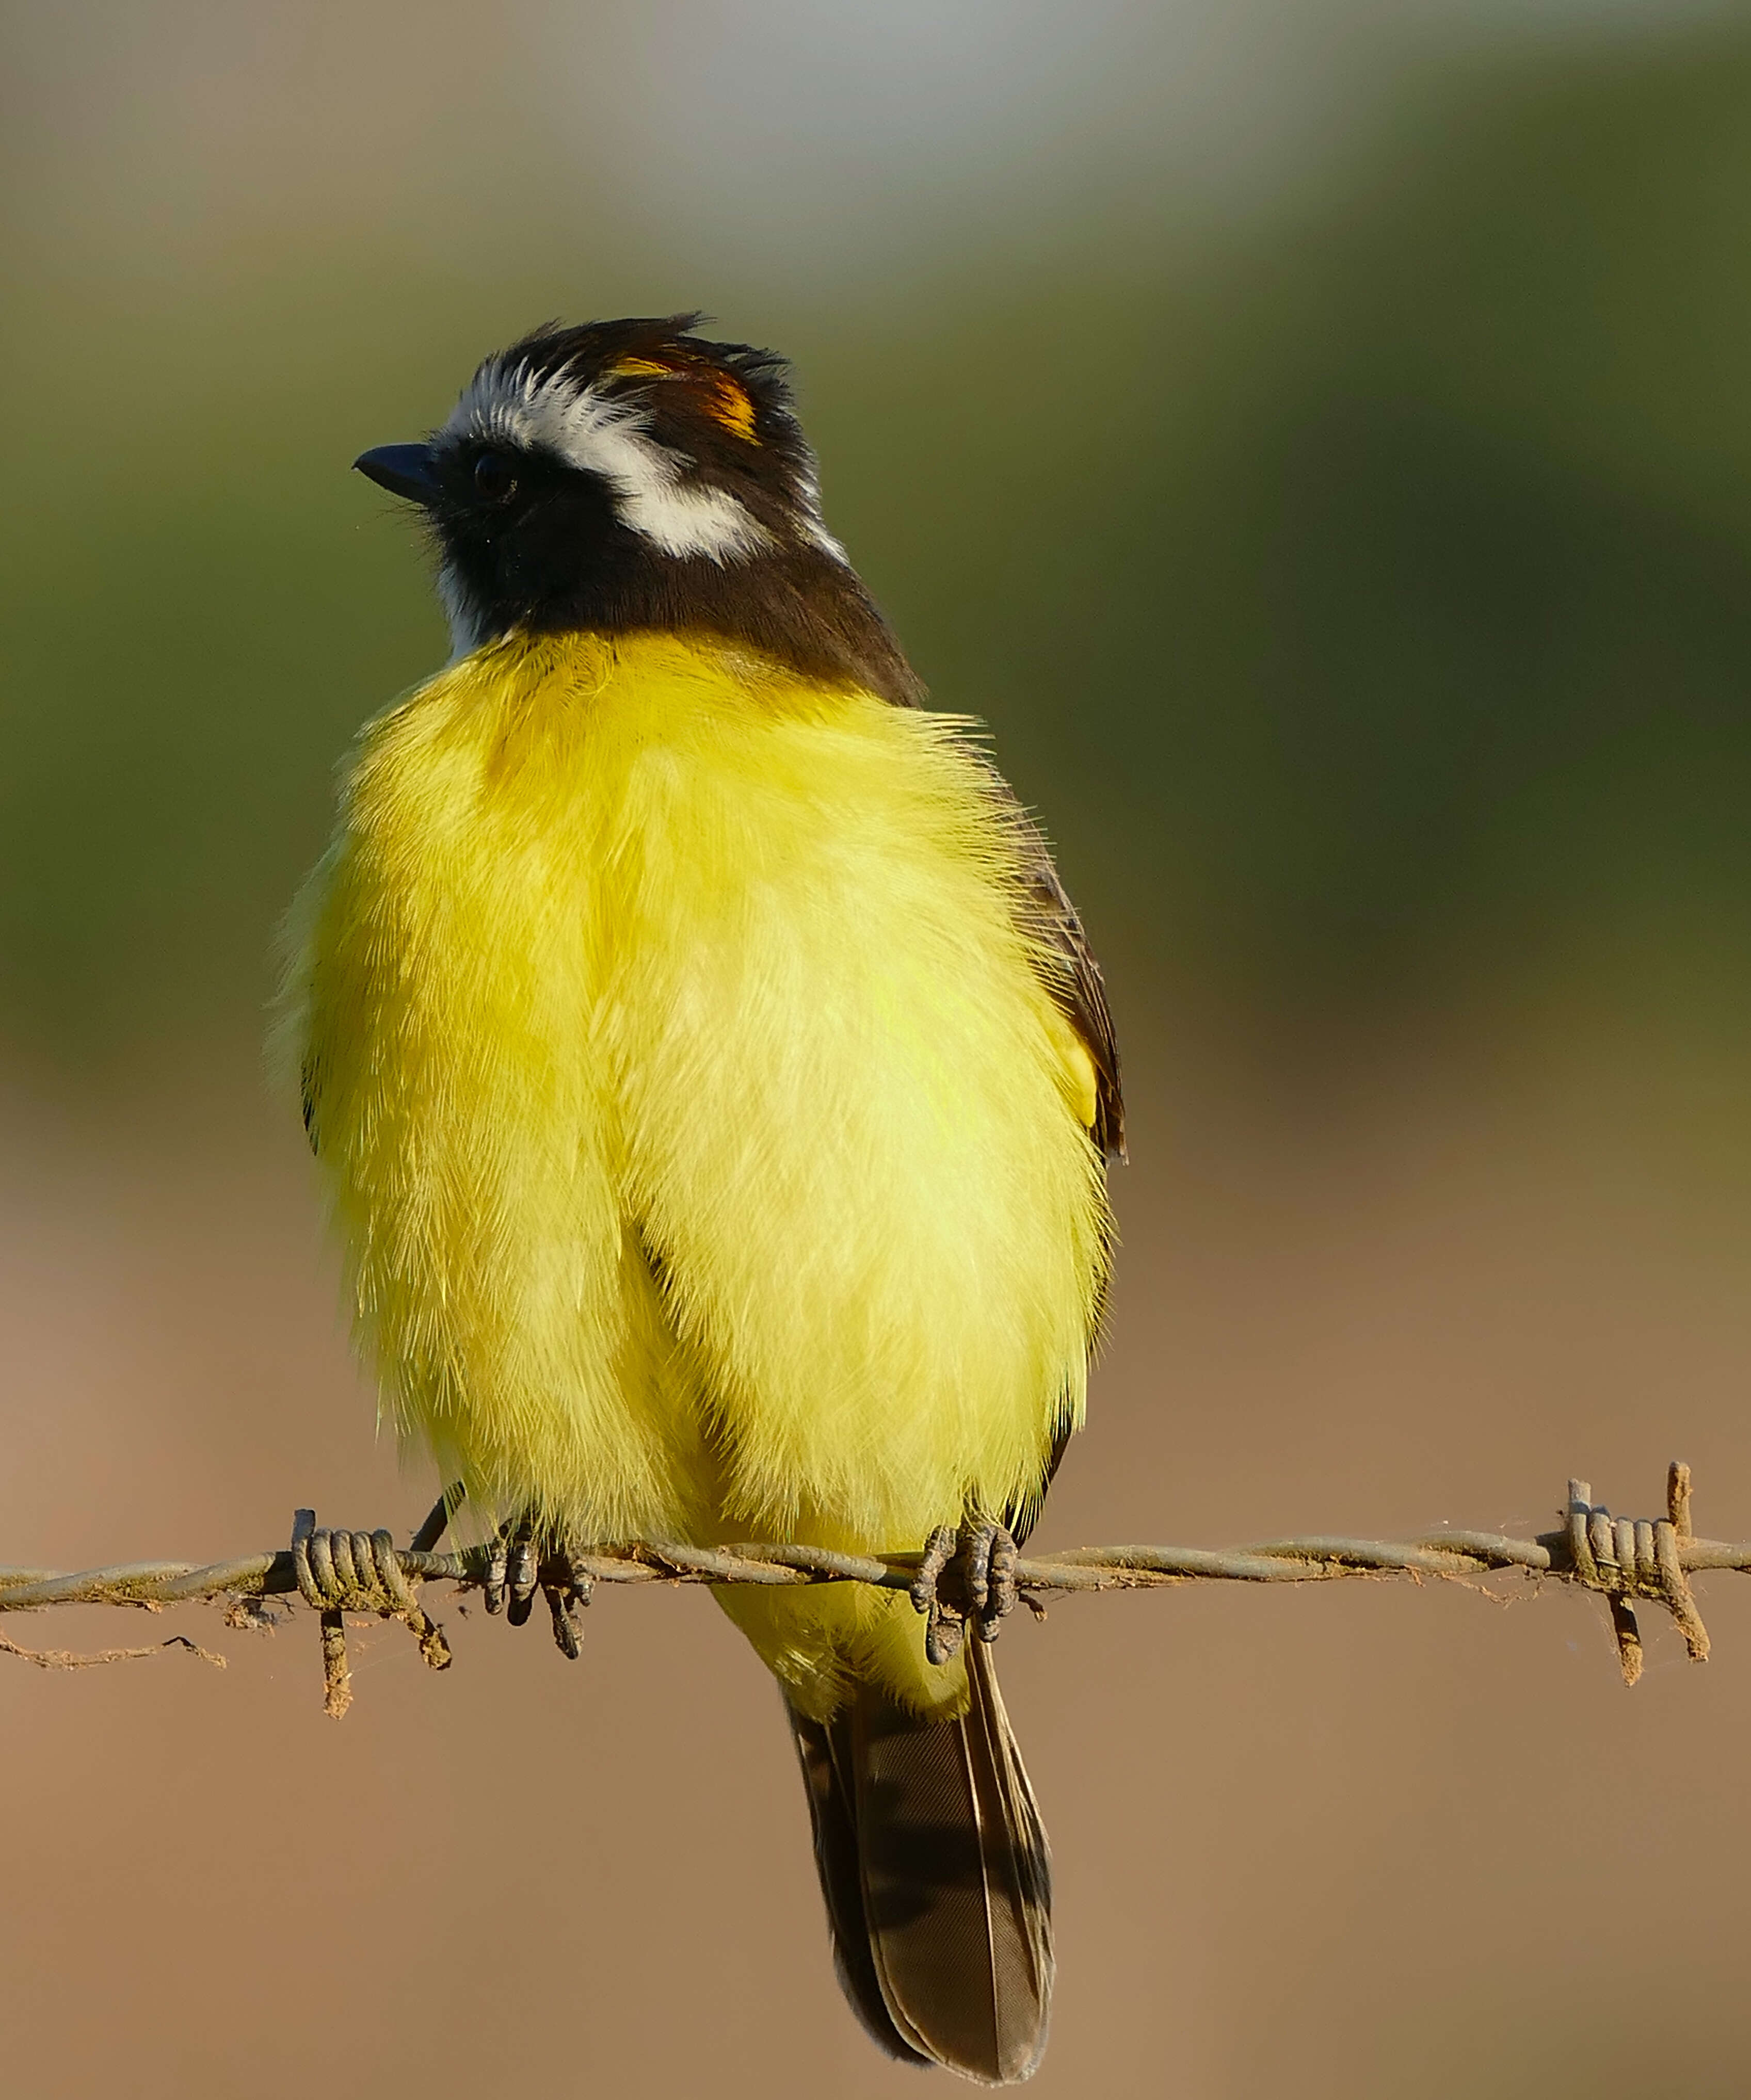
971,1577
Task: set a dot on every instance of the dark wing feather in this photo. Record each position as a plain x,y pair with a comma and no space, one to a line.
309,1086
1074,977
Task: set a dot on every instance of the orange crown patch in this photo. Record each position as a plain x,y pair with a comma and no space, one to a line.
726,402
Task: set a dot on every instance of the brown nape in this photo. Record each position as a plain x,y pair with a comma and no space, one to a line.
801,607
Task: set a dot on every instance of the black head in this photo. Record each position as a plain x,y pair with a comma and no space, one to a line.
629,474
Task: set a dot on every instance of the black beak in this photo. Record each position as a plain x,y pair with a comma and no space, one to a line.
408,470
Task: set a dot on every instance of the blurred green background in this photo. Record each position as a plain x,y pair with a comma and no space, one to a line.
1351,561
1315,435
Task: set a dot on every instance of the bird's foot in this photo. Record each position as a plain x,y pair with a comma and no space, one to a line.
513,1571
522,1562
967,1573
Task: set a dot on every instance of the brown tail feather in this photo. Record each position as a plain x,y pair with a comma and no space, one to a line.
934,1865
832,1811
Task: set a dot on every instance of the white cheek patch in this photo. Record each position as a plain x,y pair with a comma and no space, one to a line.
608,439
467,626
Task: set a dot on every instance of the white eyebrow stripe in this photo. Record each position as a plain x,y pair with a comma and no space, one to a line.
608,439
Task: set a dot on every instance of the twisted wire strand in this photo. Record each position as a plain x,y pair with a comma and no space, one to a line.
1305,1559
335,1572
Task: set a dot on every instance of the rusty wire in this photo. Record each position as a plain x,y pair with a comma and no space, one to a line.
1622,1559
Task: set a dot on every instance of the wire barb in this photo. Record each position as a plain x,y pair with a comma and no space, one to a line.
337,1572
1624,1558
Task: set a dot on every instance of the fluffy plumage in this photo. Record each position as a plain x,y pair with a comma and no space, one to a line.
712,1084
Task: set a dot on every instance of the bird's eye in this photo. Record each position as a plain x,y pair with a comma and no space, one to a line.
495,477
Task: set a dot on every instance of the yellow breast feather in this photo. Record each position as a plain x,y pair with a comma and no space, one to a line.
712,1157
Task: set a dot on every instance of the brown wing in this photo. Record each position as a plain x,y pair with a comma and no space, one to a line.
1075,985
1073,976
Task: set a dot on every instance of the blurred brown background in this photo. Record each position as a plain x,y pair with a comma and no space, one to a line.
1316,434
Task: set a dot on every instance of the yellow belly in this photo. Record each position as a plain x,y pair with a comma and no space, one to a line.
710,1155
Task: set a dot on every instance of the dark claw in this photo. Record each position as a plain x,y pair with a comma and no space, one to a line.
494,1586
976,1565
942,1633
939,1549
968,1574
1000,1592
521,1565
563,1605
567,1590
523,1572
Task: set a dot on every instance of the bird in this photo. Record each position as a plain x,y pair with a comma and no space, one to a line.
714,1088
